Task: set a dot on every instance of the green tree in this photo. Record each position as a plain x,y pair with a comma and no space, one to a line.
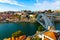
19,17
17,33
49,11
40,28
36,38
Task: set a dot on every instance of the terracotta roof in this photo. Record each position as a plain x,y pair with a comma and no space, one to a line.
50,34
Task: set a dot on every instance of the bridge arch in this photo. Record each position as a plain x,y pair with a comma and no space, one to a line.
45,21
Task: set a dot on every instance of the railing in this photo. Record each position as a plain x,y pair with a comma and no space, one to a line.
44,36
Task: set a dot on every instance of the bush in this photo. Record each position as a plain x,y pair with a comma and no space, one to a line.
40,28
17,34
36,38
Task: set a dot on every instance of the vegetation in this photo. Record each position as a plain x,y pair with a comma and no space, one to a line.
36,38
40,28
17,33
19,17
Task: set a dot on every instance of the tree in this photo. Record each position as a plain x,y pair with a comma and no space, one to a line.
49,11
17,33
19,17
36,38
40,28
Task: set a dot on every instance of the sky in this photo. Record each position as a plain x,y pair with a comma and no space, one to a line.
17,5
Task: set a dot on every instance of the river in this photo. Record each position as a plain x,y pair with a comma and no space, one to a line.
6,29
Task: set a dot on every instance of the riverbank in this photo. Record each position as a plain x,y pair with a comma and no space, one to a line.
17,22
56,21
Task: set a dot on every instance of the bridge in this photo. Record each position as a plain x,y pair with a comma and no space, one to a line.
45,21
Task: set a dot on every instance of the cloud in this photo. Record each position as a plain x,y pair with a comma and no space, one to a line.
48,5
37,1
14,2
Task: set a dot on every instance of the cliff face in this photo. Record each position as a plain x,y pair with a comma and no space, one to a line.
50,34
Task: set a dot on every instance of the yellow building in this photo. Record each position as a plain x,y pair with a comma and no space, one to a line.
57,11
